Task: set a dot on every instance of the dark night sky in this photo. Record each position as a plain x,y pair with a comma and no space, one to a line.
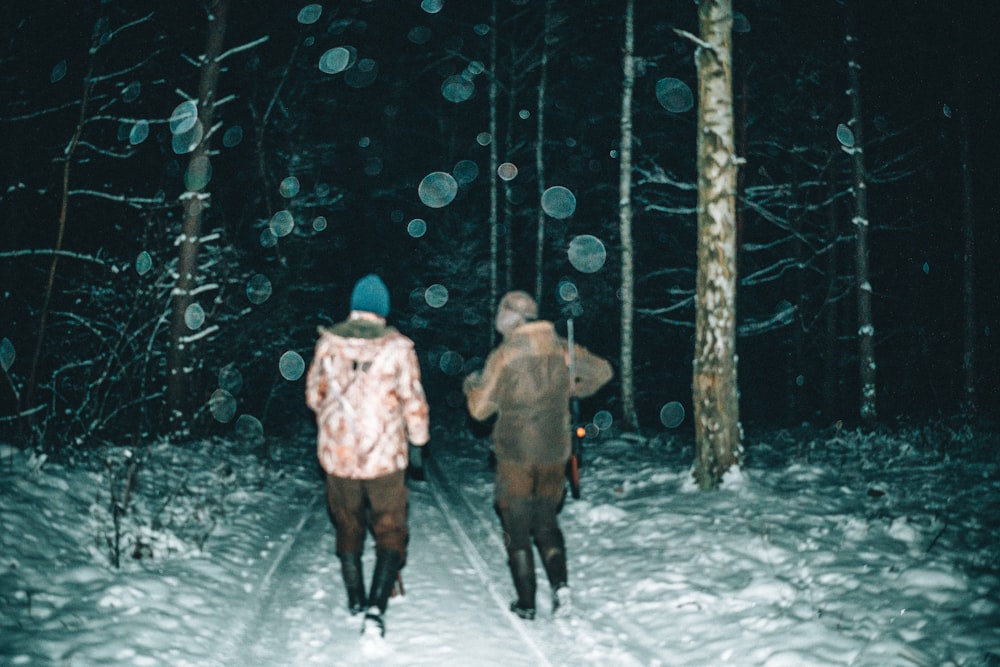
910,56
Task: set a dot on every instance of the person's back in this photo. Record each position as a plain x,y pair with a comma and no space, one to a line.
526,383
364,386
531,396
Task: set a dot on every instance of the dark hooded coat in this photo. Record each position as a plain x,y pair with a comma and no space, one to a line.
526,384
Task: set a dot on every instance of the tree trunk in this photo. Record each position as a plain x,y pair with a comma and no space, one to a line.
540,154
508,207
714,396
866,325
194,201
629,418
831,358
74,143
494,185
969,399
798,375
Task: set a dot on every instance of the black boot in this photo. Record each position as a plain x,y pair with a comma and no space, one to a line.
354,581
522,569
387,564
554,561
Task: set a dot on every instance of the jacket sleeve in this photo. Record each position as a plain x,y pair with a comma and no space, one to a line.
316,381
480,389
415,410
592,371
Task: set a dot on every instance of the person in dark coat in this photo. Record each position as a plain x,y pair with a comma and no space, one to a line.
526,383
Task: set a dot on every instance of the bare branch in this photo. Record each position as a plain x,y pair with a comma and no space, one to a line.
9,254
135,202
244,47
694,38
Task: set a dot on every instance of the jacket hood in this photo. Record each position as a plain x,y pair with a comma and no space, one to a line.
358,327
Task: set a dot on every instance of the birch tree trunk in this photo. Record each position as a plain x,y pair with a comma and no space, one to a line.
540,153
194,202
866,325
718,443
627,372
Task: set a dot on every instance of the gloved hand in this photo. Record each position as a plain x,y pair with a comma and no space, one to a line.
470,381
416,468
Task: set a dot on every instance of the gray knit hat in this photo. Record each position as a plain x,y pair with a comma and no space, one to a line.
515,309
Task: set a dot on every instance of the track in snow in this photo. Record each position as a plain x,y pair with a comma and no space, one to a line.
456,571
575,640
443,491
455,610
585,638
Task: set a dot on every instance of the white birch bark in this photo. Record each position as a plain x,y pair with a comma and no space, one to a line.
715,396
627,371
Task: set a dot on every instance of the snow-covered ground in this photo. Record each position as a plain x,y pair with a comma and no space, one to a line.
827,548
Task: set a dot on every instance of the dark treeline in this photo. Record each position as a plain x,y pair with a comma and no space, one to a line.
327,120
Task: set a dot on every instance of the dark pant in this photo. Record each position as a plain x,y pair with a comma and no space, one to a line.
357,503
528,498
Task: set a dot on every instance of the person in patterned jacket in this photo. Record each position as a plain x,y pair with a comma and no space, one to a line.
371,413
526,384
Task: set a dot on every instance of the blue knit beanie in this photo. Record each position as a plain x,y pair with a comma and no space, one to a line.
370,294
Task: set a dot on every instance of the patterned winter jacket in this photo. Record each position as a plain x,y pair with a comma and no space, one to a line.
364,386
526,384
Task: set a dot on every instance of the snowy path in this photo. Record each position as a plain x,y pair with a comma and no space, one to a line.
301,618
454,610
570,641
475,530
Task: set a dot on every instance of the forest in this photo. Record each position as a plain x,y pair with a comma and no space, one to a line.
191,188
